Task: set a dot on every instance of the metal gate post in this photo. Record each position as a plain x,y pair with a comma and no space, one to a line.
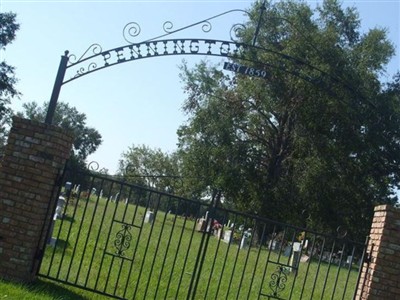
57,87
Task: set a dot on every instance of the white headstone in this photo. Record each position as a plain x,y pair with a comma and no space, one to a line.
59,208
227,236
296,246
149,217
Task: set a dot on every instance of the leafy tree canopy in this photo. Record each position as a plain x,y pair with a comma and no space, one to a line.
8,29
321,133
152,167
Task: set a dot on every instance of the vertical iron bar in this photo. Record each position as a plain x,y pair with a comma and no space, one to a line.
214,260
166,248
176,253
62,68
262,9
329,269
187,256
234,268
338,271
246,261
99,236
297,263
165,256
319,267
68,235
158,245
117,201
47,234
308,265
90,229
148,239
138,237
126,205
361,266
349,272
88,233
257,260
206,237
122,264
78,235
226,257
267,262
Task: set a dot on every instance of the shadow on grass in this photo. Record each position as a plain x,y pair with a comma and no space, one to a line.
55,290
43,289
59,244
68,218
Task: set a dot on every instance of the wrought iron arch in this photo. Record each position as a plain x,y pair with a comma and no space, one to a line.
95,58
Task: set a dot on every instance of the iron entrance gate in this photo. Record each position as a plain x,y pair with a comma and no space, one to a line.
131,242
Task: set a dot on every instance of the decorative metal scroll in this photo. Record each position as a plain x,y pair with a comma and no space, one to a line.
97,61
94,166
278,282
132,30
123,240
341,232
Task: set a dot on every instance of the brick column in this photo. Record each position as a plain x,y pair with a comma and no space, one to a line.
34,156
382,279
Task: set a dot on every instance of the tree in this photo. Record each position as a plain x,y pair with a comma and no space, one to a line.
87,139
320,133
8,29
151,167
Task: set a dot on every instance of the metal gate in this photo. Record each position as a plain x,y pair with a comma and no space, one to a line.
132,242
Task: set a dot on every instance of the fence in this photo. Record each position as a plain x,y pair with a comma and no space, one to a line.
132,242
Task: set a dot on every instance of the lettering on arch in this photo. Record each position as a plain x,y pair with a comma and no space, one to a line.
99,60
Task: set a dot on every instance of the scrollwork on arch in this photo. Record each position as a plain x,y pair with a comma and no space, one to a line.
92,50
130,31
82,70
237,31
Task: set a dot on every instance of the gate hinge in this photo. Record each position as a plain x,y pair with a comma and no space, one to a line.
368,257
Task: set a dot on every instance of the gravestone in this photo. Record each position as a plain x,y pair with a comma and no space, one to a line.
227,236
245,242
149,218
58,214
201,224
288,250
59,208
295,257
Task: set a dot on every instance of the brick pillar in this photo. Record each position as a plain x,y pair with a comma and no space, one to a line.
34,156
382,279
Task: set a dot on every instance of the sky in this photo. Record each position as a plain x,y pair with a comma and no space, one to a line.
137,102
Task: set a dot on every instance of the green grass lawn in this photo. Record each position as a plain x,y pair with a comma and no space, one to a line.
42,290
158,261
